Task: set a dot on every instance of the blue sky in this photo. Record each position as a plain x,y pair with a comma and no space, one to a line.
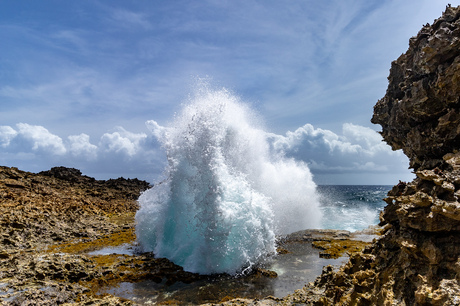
79,79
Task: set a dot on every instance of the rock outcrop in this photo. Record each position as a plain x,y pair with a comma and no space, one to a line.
420,111
47,215
60,205
417,260
59,229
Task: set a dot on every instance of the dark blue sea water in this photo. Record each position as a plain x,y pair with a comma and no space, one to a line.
351,207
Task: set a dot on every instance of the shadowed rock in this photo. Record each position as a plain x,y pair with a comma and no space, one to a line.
420,112
417,260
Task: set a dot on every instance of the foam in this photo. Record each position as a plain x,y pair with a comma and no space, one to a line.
225,195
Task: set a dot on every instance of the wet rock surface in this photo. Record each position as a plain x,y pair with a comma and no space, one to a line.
49,220
52,223
39,209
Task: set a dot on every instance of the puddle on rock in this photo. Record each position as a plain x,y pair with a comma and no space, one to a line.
300,265
123,249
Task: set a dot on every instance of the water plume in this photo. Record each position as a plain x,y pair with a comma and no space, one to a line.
226,193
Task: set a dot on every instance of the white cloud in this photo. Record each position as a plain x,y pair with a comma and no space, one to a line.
122,141
38,139
79,145
358,149
41,138
365,137
357,152
157,130
309,138
7,133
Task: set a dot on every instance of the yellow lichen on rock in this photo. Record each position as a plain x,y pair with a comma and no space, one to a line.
336,248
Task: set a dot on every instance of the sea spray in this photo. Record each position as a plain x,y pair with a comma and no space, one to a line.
226,194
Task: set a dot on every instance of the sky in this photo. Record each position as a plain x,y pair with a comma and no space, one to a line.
80,79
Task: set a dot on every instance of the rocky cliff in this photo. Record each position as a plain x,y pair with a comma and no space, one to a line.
417,260
420,111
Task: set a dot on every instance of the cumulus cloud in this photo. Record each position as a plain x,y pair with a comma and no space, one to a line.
116,153
7,133
157,130
41,138
357,149
122,141
79,145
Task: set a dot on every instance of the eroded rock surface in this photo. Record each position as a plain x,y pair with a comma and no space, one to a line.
420,111
61,207
417,260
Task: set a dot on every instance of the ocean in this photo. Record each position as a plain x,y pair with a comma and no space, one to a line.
229,190
351,207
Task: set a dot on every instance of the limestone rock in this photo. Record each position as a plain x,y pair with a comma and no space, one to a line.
57,207
420,112
416,261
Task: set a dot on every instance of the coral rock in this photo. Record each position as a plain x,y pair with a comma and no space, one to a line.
416,261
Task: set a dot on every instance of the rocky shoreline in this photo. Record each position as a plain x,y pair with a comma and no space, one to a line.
53,208
416,261
53,220
50,221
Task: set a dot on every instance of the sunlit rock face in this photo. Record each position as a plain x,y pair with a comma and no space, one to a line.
417,260
420,112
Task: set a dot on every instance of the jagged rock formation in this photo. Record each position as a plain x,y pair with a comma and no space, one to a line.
417,261
420,111
39,211
59,205
127,188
